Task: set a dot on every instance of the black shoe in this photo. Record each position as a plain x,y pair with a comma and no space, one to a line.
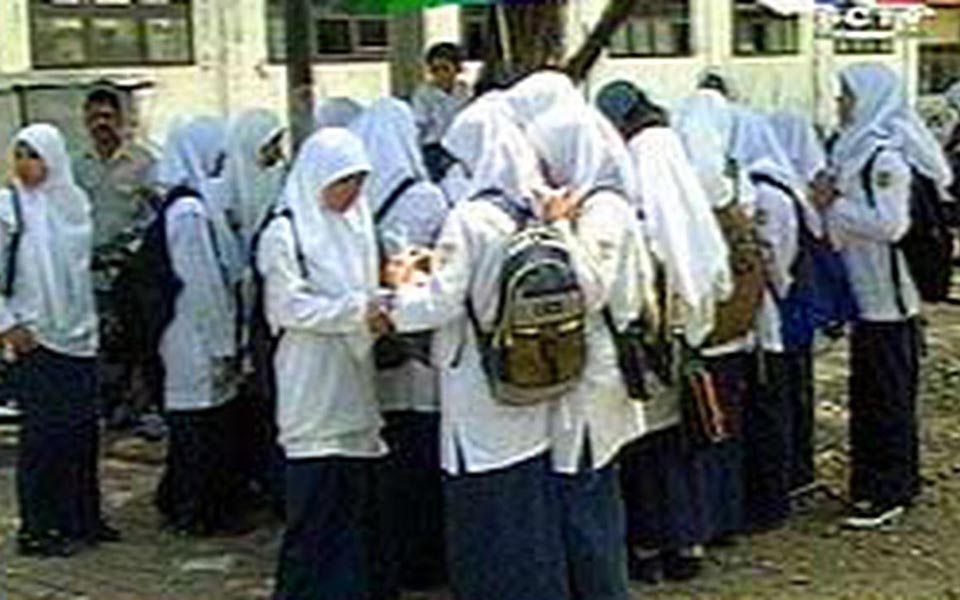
646,570
681,568
106,534
52,545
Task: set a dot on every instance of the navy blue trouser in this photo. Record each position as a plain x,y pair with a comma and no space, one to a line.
884,447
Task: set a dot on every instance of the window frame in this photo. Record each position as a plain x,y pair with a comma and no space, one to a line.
319,13
468,17
86,11
648,15
939,48
740,6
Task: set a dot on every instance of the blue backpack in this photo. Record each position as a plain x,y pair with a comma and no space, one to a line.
820,297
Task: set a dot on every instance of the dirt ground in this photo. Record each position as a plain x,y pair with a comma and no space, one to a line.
812,558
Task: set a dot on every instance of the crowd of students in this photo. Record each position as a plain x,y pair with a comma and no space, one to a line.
293,360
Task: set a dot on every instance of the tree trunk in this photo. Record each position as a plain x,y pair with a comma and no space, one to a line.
299,70
614,16
526,37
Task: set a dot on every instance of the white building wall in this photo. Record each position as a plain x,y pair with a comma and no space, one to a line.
232,71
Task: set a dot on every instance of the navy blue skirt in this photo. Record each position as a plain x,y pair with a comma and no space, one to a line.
718,477
57,464
658,478
503,533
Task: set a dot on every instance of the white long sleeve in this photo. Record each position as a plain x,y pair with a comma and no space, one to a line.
205,294
295,303
888,219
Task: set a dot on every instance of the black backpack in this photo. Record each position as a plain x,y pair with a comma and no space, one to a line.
929,242
263,342
394,350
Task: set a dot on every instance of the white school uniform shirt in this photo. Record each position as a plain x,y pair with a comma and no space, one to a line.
389,134
326,402
479,434
865,235
436,109
53,288
883,122
199,345
579,156
758,150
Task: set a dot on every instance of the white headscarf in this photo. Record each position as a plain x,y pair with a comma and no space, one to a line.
705,123
541,93
574,149
801,143
336,112
883,118
757,148
191,156
251,188
389,133
681,227
537,93
494,151
953,96
339,248
57,213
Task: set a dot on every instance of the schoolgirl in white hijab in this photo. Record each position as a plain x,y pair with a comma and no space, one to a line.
501,448
321,274
48,329
254,170
766,435
199,347
53,296
681,228
878,122
598,418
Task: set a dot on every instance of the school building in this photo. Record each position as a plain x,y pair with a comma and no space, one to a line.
220,56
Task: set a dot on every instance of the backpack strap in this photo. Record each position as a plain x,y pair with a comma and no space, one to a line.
13,249
392,199
274,214
866,181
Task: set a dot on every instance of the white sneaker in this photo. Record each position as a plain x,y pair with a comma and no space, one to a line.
868,516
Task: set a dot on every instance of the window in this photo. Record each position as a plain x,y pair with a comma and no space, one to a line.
657,28
339,30
939,67
99,33
760,31
473,31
